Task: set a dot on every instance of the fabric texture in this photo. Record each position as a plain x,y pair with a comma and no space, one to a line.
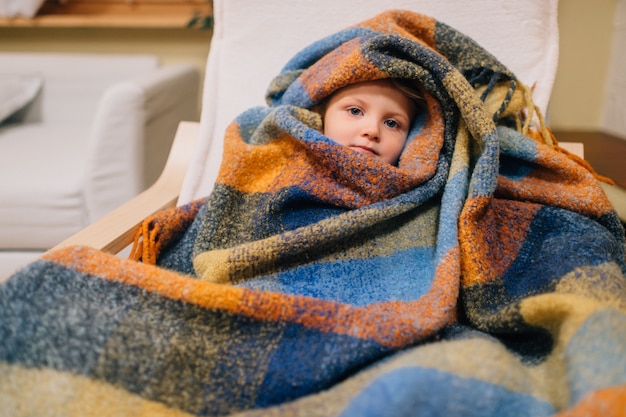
482,276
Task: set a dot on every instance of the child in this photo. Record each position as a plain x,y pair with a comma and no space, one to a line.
373,117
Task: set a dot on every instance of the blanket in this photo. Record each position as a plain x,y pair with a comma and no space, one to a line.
481,276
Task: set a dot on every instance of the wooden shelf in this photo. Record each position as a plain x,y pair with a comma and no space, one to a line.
196,14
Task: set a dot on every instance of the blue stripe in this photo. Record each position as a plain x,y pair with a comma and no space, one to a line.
595,355
558,242
402,276
429,392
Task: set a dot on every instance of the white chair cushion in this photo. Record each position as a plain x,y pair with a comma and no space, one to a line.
16,92
20,8
249,47
42,201
74,83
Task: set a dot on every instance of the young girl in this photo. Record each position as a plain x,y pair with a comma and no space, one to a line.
373,117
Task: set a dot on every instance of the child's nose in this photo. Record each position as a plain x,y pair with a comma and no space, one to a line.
371,130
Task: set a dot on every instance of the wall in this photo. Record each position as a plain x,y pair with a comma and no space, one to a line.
586,30
614,112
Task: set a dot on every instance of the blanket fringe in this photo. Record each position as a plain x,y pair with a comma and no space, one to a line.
146,245
160,229
544,134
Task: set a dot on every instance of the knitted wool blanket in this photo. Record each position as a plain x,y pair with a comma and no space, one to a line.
481,276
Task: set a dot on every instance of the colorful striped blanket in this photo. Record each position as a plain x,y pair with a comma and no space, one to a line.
482,276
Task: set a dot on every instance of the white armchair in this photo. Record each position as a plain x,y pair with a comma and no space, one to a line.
96,134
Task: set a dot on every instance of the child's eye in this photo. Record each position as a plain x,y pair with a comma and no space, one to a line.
355,111
392,124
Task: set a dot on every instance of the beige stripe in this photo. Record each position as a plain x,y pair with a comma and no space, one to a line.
47,392
478,121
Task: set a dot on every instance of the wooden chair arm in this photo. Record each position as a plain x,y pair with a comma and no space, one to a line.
577,148
116,230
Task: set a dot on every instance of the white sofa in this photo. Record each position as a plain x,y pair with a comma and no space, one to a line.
79,135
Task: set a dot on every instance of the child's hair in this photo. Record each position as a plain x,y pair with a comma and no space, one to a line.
410,90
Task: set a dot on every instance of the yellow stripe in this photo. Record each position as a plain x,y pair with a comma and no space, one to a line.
594,282
259,257
214,266
561,314
478,121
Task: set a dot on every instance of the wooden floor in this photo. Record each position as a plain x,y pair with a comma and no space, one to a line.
606,153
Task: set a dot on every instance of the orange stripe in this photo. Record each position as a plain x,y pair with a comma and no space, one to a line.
286,162
391,324
608,402
161,281
337,69
251,168
560,182
488,242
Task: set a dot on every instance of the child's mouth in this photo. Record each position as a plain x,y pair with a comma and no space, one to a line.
365,150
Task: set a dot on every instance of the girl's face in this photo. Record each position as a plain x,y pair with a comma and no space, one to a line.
371,117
